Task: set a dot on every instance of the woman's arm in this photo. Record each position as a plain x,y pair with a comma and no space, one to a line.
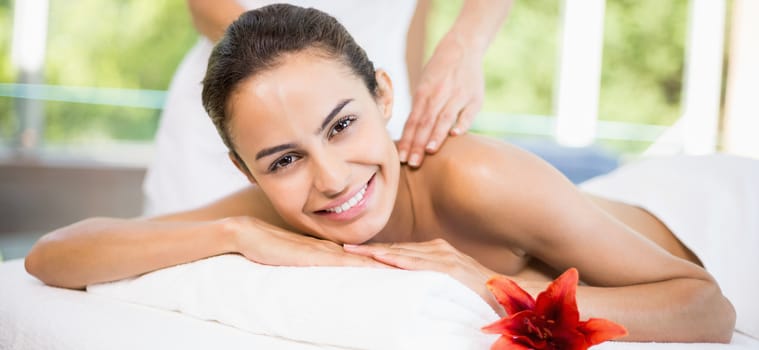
525,203
106,249
212,17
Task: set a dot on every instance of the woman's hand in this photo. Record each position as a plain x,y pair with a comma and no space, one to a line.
449,95
436,255
270,245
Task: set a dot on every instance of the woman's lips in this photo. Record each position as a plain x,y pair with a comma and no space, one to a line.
360,198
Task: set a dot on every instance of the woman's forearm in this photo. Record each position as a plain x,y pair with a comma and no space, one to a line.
677,310
104,249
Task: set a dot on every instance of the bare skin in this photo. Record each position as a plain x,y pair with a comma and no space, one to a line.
478,207
435,222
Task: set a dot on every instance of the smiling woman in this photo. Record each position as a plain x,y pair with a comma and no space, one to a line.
302,111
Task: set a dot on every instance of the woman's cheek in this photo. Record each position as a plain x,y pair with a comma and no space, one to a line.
376,143
288,196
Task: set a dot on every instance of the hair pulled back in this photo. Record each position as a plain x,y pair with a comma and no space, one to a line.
258,40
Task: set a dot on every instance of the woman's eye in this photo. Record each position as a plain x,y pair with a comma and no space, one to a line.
341,125
283,162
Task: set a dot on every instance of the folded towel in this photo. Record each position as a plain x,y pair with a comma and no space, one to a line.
361,308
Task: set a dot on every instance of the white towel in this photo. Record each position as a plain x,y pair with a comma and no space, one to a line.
361,308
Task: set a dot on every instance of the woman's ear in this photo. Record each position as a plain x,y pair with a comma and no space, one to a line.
384,93
240,165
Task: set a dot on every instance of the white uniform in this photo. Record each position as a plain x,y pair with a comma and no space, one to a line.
190,167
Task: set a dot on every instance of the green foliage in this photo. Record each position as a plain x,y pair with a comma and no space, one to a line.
126,44
643,60
84,123
7,119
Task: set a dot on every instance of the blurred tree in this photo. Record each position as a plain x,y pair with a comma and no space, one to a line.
126,44
7,120
643,60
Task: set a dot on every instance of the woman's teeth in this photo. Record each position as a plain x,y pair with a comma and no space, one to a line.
349,203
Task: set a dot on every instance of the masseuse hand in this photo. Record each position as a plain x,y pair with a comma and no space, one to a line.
448,97
270,245
436,255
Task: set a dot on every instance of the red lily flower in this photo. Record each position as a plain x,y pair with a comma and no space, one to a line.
551,322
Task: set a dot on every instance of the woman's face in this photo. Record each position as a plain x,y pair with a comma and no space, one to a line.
314,140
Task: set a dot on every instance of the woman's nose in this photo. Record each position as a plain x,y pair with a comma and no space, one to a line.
331,173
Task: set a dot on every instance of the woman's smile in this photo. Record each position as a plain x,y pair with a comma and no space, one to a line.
351,206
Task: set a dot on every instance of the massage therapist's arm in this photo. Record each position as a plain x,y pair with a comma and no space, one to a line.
450,90
106,249
523,202
212,17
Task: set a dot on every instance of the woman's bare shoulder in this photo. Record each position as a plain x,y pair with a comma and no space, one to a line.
489,184
470,162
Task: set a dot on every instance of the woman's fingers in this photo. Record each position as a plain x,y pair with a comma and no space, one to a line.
289,249
326,253
432,246
373,251
408,261
436,255
345,259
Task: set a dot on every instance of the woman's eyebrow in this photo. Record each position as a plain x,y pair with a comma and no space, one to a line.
271,150
332,114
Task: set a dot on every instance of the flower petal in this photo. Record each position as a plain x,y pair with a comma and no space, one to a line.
520,329
508,343
510,295
598,330
558,302
568,339
509,325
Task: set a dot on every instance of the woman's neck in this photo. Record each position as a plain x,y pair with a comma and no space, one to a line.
400,225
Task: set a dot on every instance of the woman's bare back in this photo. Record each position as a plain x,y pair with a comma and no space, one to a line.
431,223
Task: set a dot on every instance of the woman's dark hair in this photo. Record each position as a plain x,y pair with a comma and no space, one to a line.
258,39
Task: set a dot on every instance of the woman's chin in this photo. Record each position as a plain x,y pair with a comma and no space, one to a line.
359,237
